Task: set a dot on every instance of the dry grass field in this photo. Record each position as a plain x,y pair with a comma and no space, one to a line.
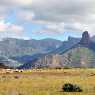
47,82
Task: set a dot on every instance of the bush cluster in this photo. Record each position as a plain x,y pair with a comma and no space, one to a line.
68,87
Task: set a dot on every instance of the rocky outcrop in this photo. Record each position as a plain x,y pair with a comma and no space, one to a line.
85,41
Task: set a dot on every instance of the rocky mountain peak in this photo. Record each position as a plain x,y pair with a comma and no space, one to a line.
85,41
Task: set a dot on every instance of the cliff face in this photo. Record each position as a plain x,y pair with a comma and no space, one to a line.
77,57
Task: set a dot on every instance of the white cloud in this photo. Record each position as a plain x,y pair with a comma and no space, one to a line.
75,14
51,29
10,30
15,3
8,5
16,28
25,15
3,26
23,2
60,10
9,27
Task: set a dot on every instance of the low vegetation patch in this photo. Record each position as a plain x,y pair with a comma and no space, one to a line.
68,87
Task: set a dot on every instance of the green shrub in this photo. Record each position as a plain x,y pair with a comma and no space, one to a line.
71,88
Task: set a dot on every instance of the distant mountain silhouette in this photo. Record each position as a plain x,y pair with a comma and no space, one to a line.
12,47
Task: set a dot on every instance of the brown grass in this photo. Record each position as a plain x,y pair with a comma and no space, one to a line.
47,82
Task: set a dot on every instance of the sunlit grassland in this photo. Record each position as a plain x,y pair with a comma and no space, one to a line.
47,82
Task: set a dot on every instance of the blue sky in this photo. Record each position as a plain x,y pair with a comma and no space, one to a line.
40,19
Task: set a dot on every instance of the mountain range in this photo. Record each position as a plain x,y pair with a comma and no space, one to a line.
51,53
76,52
12,47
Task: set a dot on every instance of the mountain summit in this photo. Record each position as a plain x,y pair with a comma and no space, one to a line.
85,41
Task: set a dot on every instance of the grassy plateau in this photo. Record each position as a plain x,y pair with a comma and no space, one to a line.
47,82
